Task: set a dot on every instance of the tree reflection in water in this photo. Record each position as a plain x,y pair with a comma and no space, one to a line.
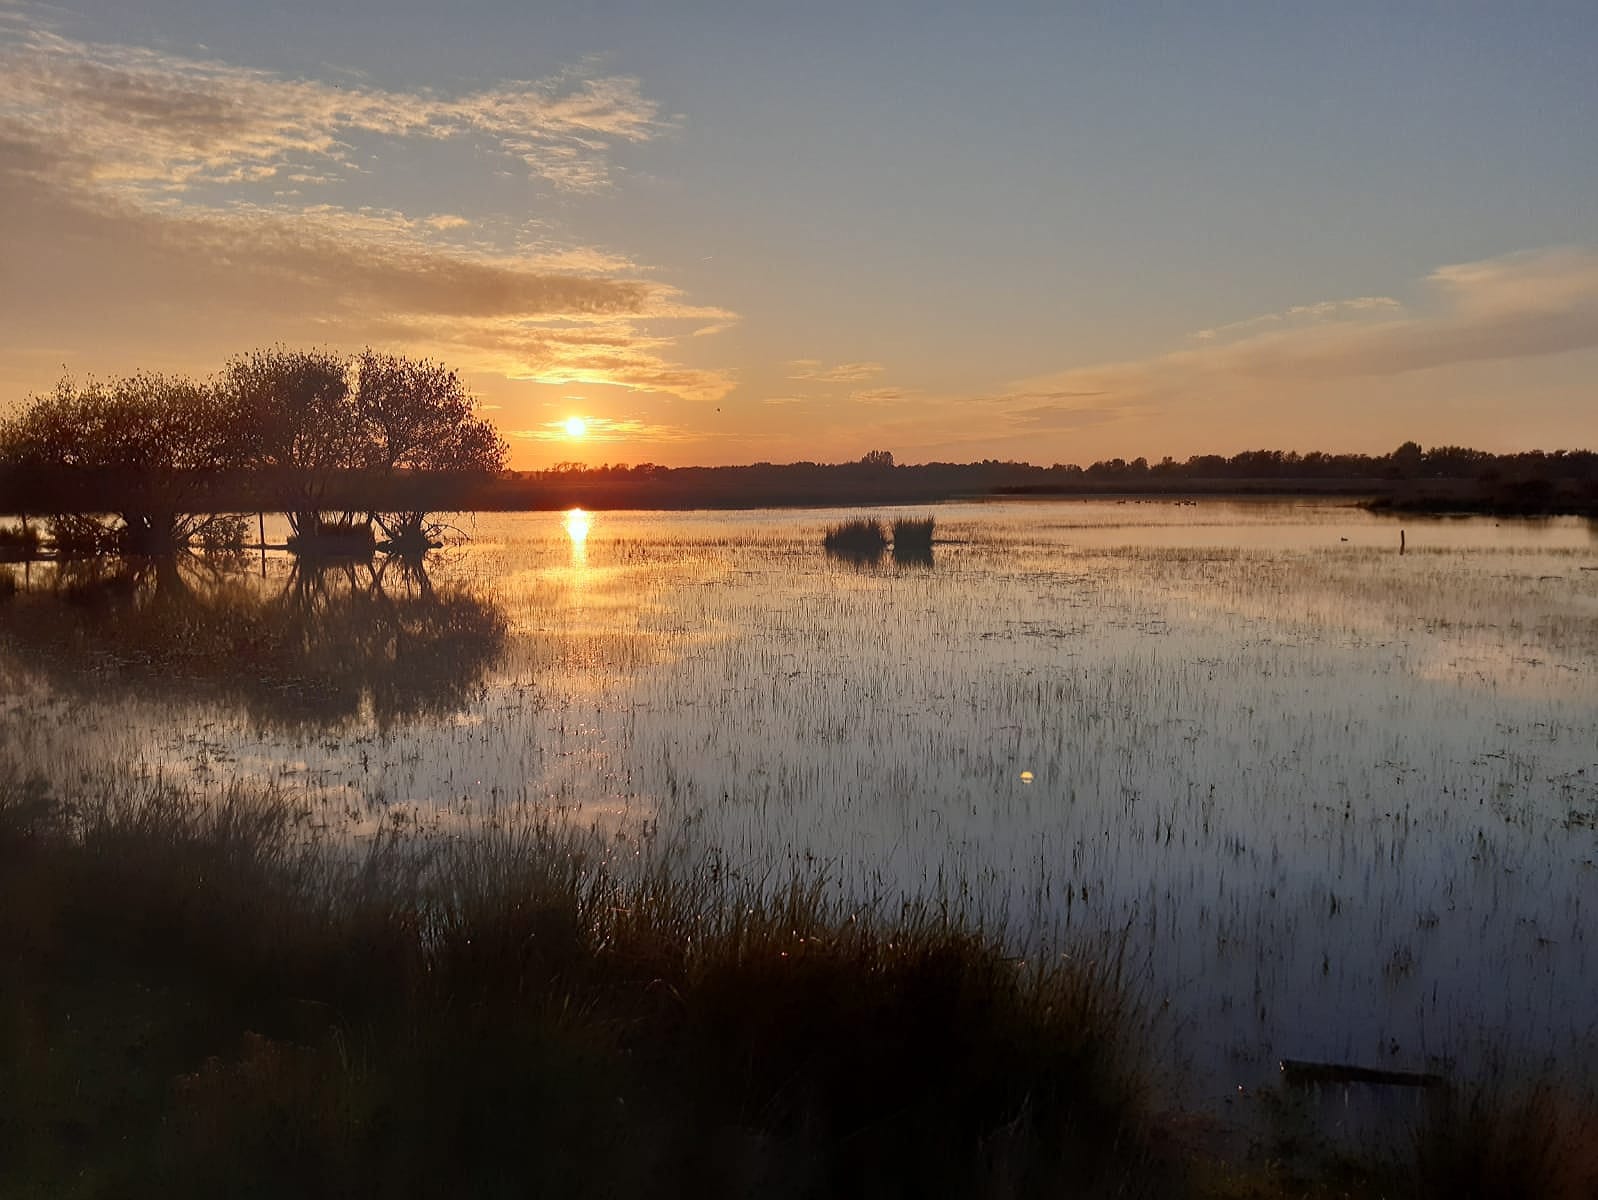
325,647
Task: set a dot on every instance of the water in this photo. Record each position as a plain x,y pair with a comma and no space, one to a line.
1336,803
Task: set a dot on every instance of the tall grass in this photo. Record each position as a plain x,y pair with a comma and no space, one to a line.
856,538
912,540
209,999
913,532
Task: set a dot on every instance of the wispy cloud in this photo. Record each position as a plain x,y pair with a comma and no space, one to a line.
126,178
151,122
882,395
1319,311
814,369
605,430
1515,306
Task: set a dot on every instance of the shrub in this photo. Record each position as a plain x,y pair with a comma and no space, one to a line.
19,543
80,536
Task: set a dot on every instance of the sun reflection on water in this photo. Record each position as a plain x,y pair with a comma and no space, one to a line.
577,524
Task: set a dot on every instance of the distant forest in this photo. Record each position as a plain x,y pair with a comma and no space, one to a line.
1444,478
1447,477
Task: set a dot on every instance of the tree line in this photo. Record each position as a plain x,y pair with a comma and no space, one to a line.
350,448
1441,478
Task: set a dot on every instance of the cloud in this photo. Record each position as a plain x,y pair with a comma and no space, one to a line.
1514,306
605,430
125,177
812,368
150,122
1318,311
882,395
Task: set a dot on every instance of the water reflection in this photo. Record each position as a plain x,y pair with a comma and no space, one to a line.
577,524
319,647
910,555
856,556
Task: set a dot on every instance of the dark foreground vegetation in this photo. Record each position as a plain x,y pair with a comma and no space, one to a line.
205,999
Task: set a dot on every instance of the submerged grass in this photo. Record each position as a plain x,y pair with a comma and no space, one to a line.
199,999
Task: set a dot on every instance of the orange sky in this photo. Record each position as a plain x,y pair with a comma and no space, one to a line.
1055,240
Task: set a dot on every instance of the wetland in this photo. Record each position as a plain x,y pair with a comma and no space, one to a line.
1313,798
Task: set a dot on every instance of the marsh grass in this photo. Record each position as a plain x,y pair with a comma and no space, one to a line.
209,998
912,541
913,533
859,539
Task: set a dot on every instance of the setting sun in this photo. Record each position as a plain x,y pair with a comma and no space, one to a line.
576,427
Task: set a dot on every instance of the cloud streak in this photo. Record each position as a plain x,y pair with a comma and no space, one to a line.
124,174
605,430
1523,305
813,369
150,122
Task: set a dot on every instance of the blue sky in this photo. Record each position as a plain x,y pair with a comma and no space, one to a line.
738,232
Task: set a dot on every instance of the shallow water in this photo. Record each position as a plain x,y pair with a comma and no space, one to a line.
1340,803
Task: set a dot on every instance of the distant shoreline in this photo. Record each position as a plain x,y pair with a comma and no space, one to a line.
805,485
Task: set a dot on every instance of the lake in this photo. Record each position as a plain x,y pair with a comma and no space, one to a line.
1330,801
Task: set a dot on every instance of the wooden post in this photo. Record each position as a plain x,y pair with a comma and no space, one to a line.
1400,541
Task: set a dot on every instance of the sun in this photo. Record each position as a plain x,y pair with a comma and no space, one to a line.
576,427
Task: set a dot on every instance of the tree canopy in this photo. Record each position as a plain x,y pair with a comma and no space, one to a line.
309,418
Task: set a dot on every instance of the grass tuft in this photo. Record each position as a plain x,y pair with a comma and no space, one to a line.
912,540
860,540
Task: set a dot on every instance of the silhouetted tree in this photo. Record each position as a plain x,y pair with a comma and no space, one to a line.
296,413
877,458
153,443
323,420
1407,460
419,417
